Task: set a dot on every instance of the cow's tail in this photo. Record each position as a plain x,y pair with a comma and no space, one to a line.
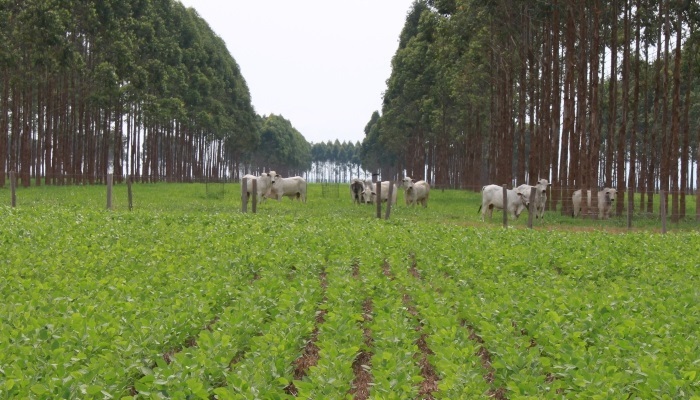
479,209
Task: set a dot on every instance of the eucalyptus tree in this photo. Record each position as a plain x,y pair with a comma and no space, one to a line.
145,83
282,148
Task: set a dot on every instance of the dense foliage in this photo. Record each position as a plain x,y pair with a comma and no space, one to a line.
185,297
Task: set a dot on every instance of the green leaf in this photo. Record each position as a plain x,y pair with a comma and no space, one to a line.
39,389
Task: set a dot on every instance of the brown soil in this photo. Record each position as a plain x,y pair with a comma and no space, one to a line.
427,371
485,356
363,362
309,356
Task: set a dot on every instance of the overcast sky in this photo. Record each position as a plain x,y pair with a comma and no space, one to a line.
321,64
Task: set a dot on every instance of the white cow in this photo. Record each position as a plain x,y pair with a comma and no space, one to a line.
606,198
492,197
416,192
264,182
290,187
368,188
540,195
356,189
384,193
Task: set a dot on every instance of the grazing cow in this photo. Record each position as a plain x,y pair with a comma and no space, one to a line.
384,194
492,197
356,188
606,198
416,192
540,195
264,182
290,187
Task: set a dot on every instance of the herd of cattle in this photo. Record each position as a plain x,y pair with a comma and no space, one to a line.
274,186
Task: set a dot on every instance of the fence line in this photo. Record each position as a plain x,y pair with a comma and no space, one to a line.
655,212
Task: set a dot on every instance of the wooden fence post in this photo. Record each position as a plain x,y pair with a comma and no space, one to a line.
128,190
110,179
254,191
244,195
388,202
13,188
505,206
630,206
662,209
379,198
533,204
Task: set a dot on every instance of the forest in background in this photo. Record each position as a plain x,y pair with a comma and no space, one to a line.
584,94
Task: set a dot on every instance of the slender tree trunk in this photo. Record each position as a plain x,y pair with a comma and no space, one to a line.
665,139
520,177
594,146
4,126
579,155
26,135
685,145
675,120
556,108
631,180
653,145
622,134
568,128
610,140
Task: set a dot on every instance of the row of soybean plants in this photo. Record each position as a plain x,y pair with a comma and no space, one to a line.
582,315
376,298
92,300
249,351
359,300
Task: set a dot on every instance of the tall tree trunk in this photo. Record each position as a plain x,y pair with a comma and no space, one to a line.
675,119
568,127
622,134
579,158
4,125
520,177
665,139
556,108
654,152
631,180
594,144
685,145
610,140
26,136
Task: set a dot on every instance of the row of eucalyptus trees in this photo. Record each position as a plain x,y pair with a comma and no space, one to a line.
336,162
583,93
143,85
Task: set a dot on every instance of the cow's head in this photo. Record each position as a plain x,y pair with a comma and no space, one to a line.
524,198
610,195
524,202
542,185
368,196
275,177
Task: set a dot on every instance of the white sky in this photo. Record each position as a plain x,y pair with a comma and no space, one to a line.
321,64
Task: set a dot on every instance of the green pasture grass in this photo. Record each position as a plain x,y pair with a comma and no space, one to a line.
450,206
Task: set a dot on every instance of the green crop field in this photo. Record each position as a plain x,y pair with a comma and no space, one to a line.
185,297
